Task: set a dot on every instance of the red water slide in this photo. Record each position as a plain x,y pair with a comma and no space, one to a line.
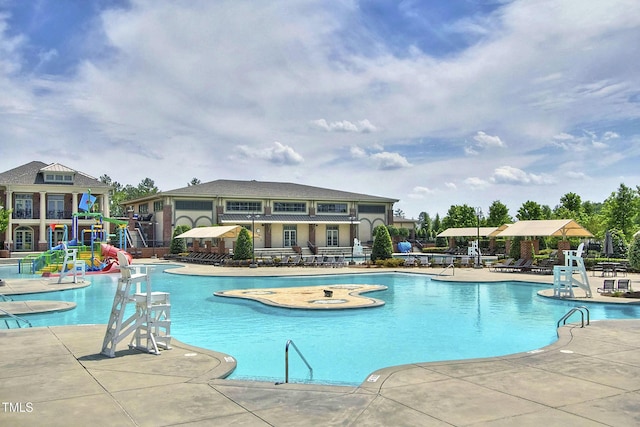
109,251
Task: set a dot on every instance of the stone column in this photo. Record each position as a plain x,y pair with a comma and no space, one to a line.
42,235
563,245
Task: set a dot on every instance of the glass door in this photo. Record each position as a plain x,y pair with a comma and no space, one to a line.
290,237
23,239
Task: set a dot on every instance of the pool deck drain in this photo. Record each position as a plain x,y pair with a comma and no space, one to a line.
324,297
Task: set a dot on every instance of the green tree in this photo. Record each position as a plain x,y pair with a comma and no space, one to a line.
498,214
621,209
5,214
116,196
437,225
529,210
570,207
382,246
634,253
179,245
244,246
425,225
460,216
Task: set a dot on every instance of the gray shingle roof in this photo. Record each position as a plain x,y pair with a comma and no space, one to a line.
29,174
288,218
264,189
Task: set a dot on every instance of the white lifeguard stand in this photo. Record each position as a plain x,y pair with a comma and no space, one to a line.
563,275
72,265
473,250
357,247
151,322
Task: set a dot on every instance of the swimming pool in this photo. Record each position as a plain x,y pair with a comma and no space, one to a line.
422,321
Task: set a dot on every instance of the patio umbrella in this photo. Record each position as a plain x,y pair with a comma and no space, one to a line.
608,244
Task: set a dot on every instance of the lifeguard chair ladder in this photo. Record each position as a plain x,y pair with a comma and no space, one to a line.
72,265
151,321
563,275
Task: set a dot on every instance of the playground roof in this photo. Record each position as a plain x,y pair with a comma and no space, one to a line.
218,232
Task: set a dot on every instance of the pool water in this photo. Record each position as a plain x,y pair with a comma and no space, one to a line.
422,321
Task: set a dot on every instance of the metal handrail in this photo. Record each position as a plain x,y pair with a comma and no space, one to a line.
453,270
574,310
3,297
286,360
15,318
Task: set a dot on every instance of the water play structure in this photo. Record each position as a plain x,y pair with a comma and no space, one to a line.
86,250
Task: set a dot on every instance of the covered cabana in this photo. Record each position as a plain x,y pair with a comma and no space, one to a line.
563,228
214,232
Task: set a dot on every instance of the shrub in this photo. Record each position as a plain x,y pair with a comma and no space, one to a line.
634,254
179,245
382,246
244,249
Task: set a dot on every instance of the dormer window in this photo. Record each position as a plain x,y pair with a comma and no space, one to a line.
58,178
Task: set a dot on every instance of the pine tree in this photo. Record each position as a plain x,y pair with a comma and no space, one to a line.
244,247
382,246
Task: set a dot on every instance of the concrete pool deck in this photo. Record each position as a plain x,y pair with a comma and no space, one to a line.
589,377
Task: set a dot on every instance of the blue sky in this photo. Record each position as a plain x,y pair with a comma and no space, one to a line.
431,102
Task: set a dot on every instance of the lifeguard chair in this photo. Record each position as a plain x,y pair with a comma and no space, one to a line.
72,265
151,322
563,275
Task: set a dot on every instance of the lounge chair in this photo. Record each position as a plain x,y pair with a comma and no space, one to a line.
506,263
623,285
410,261
524,267
607,287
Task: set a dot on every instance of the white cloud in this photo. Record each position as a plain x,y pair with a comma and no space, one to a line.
512,175
386,161
420,192
476,183
485,140
279,155
451,185
357,153
363,126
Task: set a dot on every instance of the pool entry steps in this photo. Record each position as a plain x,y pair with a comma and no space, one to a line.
151,321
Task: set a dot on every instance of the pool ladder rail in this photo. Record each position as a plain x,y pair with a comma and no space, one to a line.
286,361
19,320
582,310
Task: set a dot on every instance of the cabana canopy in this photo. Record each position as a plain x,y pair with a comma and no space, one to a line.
219,232
543,228
467,232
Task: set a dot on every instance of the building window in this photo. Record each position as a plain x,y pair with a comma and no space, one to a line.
289,207
332,235
55,206
371,209
23,206
58,178
290,235
143,209
194,205
158,206
332,208
244,206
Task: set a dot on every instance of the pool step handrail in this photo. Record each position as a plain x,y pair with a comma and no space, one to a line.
450,266
581,309
18,320
5,298
286,360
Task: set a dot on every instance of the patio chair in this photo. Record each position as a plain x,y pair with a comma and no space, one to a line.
506,263
607,287
623,285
